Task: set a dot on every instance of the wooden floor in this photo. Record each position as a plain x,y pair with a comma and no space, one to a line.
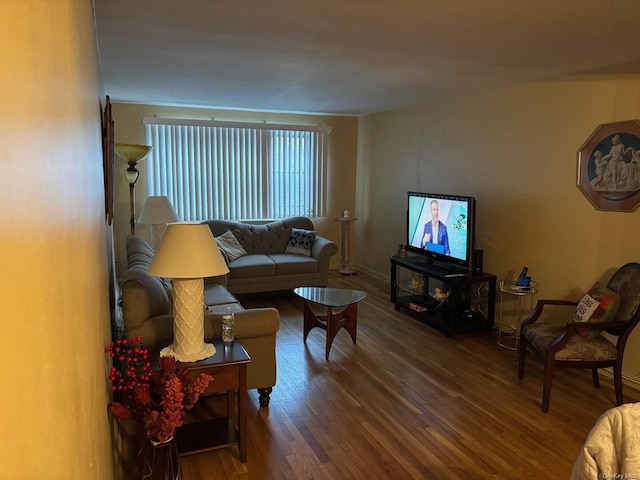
405,402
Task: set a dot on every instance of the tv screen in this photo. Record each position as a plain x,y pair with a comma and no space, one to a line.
441,226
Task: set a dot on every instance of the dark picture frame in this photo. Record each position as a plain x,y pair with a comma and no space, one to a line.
108,159
609,166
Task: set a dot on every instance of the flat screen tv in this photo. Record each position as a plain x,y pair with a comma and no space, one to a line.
442,228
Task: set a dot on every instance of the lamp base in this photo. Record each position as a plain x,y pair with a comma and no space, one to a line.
207,351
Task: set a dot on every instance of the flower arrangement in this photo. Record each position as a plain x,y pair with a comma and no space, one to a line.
158,399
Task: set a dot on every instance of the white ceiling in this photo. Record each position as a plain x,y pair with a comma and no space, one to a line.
353,56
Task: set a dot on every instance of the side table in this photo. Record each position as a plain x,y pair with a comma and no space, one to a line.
522,299
228,367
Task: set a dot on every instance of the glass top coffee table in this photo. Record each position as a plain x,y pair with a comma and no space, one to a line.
343,300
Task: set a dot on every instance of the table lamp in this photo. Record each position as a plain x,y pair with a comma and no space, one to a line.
157,211
188,252
132,154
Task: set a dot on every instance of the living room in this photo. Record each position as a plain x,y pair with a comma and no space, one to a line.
514,149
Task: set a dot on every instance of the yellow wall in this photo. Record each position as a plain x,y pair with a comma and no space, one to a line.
53,252
341,169
515,150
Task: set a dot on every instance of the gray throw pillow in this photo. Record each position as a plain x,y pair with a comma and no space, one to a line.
230,247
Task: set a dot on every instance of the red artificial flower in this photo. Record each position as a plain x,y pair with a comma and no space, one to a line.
157,399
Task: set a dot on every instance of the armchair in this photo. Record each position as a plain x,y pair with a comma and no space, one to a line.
561,344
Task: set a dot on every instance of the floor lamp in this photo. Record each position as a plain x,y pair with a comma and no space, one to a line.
188,252
157,211
132,154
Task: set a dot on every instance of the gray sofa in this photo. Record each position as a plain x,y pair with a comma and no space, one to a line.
267,267
147,310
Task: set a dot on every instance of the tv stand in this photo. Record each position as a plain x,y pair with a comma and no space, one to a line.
430,265
460,306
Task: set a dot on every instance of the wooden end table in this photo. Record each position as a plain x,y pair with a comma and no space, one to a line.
228,367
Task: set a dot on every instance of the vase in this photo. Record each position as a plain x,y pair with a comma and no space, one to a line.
160,461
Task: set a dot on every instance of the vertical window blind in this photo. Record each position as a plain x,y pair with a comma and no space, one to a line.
237,171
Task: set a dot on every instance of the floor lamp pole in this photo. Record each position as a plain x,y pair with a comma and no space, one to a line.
132,177
132,203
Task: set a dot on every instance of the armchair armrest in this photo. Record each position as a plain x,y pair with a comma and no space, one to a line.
252,323
155,331
323,249
537,311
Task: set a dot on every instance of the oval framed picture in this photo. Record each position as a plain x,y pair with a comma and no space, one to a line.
609,166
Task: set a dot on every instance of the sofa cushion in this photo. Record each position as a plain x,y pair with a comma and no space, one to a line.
256,265
217,295
221,309
289,264
230,247
301,242
143,296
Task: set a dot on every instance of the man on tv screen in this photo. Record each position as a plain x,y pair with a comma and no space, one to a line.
435,238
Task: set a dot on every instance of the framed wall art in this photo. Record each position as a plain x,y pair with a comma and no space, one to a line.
609,166
107,158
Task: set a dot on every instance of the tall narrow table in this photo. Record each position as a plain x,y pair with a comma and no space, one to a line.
344,300
345,243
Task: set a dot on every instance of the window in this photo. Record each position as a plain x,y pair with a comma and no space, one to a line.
238,171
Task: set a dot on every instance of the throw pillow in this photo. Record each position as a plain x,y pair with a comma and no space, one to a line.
599,305
301,241
230,246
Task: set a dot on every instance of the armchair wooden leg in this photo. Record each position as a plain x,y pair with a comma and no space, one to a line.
548,377
617,382
594,375
522,353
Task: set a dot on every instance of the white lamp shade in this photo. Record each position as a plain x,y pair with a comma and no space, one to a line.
158,210
188,250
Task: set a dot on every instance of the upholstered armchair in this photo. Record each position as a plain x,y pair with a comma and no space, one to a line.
582,344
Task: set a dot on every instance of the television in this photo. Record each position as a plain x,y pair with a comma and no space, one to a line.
450,240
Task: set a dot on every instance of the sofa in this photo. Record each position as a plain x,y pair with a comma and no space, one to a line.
267,264
147,310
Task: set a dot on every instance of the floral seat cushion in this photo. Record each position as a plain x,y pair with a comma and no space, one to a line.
577,349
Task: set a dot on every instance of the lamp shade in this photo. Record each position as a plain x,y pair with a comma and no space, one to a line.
130,152
188,250
158,210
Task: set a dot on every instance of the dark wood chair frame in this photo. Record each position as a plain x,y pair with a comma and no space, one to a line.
617,328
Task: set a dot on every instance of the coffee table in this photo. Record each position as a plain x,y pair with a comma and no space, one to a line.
342,299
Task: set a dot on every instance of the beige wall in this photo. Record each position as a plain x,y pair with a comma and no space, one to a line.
341,169
515,150
54,282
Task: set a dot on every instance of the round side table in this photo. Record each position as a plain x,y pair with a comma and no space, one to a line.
522,304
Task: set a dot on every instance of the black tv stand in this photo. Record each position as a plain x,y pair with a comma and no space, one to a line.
429,264
413,282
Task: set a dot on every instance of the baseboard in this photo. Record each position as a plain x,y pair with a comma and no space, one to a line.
608,373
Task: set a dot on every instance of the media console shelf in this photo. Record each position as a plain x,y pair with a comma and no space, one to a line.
459,306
